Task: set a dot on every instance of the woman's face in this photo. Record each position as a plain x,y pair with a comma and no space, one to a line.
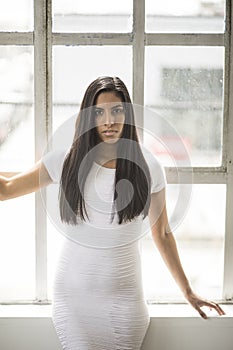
109,116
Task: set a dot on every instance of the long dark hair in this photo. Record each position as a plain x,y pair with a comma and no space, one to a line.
130,163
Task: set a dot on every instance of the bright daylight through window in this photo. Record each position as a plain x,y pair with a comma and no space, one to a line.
173,57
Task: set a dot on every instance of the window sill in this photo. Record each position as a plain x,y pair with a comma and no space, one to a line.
155,311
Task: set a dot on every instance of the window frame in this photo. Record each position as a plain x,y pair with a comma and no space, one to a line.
43,40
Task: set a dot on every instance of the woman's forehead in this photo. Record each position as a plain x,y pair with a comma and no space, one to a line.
108,98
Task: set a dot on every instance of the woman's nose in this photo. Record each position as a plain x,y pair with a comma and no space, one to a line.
109,120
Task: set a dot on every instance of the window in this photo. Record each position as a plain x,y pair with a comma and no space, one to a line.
194,16
192,84
174,56
88,16
187,90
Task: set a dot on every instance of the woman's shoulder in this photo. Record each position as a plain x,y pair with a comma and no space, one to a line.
55,155
53,161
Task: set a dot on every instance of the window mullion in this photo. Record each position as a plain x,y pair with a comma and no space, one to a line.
138,56
42,93
16,38
196,175
228,262
92,39
226,71
184,39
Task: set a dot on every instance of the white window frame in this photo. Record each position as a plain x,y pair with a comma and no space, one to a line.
43,39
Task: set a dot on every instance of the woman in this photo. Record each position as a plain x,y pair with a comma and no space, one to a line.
108,185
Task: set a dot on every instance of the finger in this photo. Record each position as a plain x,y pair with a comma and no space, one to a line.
215,306
202,314
220,310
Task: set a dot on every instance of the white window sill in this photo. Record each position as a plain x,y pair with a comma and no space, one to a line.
156,311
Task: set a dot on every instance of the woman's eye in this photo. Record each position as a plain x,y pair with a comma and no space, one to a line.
98,112
118,111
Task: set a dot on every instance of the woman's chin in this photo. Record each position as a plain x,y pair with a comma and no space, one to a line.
110,140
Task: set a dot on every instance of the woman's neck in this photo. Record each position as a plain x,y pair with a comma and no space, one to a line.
106,155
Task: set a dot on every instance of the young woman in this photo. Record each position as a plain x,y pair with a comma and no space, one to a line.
108,185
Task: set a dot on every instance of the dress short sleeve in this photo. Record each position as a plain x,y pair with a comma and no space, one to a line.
157,172
53,162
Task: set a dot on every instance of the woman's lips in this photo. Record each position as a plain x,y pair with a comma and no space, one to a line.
109,132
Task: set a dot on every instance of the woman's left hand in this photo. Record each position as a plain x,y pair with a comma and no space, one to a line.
197,302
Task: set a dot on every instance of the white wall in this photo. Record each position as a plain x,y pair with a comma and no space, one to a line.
180,333
183,332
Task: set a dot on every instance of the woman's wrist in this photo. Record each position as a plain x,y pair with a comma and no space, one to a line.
187,292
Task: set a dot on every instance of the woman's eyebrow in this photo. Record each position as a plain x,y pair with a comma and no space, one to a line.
116,106
100,108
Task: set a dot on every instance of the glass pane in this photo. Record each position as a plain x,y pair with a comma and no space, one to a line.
16,108
76,67
184,88
16,153
55,240
17,249
200,243
16,15
193,16
92,16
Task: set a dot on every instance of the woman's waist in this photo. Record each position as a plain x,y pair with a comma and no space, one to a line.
99,279
104,236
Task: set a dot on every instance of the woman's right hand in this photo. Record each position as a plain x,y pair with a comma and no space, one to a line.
25,182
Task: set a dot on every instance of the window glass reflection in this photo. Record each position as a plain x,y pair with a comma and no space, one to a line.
200,238
16,15
184,88
92,16
179,16
16,108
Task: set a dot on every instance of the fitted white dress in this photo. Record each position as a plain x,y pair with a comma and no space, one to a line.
98,300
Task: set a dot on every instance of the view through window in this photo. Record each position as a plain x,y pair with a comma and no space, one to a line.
183,88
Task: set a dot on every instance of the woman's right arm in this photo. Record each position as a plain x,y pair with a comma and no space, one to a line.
25,182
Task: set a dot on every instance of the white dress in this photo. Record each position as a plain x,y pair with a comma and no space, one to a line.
98,300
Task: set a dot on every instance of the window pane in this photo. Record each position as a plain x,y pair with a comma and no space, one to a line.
17,249
16,108
200,240
16,15
185,16
16,153
55,240
184,88
92,16
76,67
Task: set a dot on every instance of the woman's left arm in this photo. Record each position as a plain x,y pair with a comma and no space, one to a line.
166,244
